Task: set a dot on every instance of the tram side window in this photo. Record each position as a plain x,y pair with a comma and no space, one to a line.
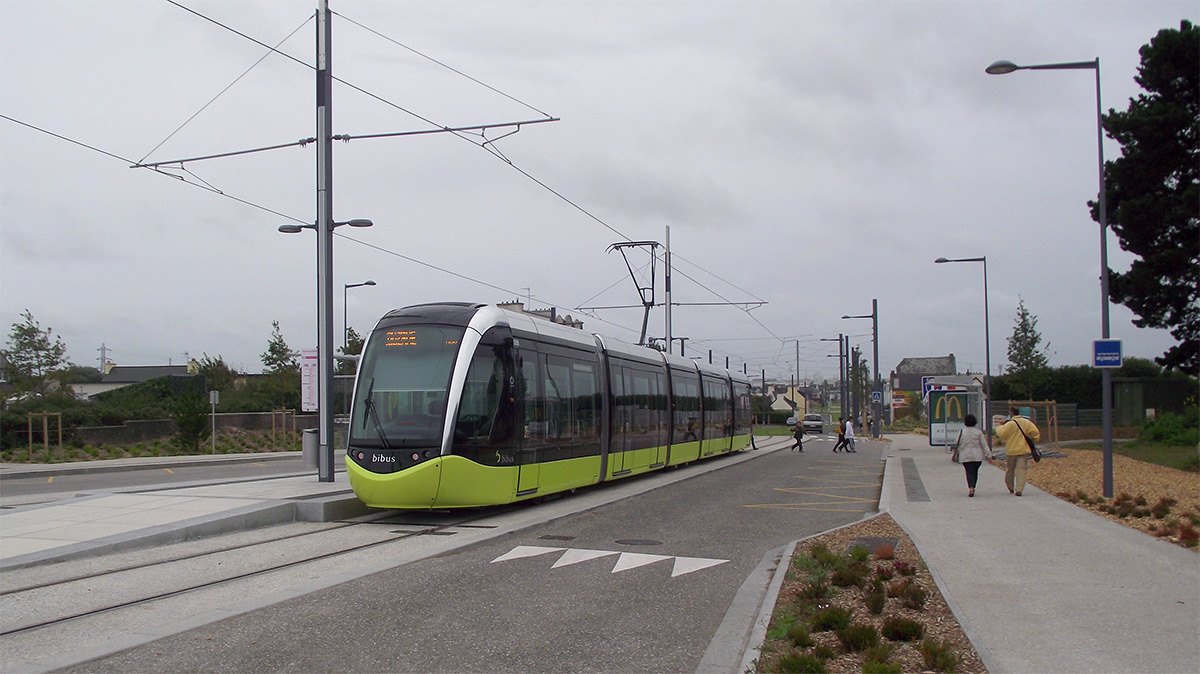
687,407
534,418
716,404
659,409
484,429
585,395
622,409
743,418
560,423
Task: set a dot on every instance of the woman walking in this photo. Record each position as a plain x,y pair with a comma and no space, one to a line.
798,433
841,435
1017,433
970,450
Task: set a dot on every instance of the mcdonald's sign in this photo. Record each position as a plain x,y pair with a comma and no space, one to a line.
947,407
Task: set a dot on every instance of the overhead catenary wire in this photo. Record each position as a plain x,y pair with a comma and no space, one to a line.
483,144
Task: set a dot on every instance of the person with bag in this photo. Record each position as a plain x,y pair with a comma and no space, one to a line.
1020,436
798,434
970,450
841,435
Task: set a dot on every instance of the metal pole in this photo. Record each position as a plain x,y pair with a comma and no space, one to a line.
1106,373
987,378
842,341
877,392
324,245
667,286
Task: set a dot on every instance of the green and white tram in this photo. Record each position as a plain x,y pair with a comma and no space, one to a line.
463,405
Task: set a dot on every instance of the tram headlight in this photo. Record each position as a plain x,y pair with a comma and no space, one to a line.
416,456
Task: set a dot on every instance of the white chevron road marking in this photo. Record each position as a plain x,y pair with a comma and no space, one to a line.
625,560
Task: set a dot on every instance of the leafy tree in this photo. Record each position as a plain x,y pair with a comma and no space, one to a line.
1153,192
353,347
217,375
281,385
190,412
32,355
1027,361
278,358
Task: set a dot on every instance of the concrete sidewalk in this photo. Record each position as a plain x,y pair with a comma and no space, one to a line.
1041,585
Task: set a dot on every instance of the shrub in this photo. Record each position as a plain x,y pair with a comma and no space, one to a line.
885,551
798,635
879,654
897,628
858,637
799,663
884,572
1163,507
881,667
904,568
1188,535
939,656
779,628
832,618
815,588
823,652
822,555
859,554
855,574
914,597
875,599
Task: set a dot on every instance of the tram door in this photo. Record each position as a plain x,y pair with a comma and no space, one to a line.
534,424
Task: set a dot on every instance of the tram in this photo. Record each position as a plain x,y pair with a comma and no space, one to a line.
464,405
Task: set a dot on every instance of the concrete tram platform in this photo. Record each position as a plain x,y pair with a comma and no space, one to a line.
93,524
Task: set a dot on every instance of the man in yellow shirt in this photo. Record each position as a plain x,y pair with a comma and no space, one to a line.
1013,433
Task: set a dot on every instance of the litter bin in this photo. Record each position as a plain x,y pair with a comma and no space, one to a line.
309,447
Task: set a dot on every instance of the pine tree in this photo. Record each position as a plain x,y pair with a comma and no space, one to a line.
1153,193
1027,361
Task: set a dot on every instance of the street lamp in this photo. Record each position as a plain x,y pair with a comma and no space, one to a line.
987,340
877,391
1003,68
841,376
345,320
324,228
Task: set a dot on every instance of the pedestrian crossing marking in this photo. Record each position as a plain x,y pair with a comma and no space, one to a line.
625,560
575,556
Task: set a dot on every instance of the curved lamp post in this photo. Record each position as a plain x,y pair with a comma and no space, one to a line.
877,390
987,377
345,313
1003,68
325,472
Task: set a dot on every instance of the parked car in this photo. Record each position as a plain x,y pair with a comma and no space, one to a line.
814,423
791,421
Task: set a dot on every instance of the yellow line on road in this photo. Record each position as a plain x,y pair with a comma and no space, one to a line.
169,471
49,479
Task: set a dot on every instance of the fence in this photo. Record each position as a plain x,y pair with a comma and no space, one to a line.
142,431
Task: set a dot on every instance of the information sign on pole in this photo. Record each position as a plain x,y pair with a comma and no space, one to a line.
1106,353
308,380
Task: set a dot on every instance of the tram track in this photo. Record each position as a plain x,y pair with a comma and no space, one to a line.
16,594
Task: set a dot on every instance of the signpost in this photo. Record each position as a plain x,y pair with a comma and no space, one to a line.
309,375
1106,353
946,412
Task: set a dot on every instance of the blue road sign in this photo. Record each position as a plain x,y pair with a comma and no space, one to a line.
1106,353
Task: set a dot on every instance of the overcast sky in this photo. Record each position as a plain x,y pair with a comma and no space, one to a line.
810,155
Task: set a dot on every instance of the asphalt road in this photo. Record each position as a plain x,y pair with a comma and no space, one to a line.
638,585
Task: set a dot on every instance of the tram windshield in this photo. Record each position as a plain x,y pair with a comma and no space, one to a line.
402,387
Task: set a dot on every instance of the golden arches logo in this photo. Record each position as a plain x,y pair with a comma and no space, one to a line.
953,403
